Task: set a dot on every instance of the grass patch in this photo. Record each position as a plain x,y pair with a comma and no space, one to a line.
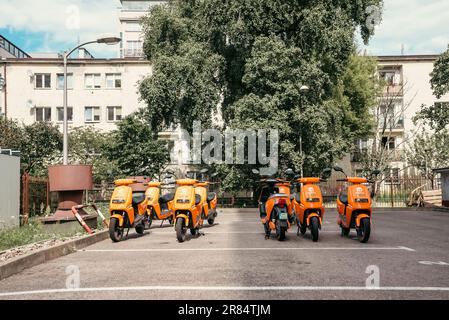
31,233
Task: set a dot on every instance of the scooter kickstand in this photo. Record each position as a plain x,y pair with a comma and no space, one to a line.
127,232
162,223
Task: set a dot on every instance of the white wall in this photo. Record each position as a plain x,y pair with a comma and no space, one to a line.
9,191
21,89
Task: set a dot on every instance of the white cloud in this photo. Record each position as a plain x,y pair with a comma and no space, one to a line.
63,22
421,26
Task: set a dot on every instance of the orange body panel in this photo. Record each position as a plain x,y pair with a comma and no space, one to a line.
359,199
184,203
311,201
121,203
201,190
153,194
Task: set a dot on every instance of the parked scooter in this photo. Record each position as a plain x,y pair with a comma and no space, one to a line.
275,206
354,206
160,207
128,209
188,209
209,202
308,204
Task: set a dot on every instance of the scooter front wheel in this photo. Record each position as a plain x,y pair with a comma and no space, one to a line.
115,231
345,231
314,229
180,230
363,233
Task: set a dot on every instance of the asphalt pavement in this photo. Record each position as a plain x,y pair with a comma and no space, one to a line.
407,257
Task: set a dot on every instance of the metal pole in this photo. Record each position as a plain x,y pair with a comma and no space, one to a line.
65,124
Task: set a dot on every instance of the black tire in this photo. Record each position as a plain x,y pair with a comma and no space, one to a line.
211,221
280,232
363,233
345,231
180,230
302,228
140,229
194,232
267,230
115,232
314,228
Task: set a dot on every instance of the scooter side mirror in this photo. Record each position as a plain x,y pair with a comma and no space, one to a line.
289,172
327,173
204,171
214,175
338,168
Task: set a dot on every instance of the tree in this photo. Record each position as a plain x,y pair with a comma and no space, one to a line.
429,151
250,58
135,150
437,115
11,134
88,146
41,147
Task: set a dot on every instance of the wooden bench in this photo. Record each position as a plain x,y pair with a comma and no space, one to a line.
433,198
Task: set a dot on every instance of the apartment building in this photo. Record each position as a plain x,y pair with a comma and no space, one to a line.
408,88
100,91
130,15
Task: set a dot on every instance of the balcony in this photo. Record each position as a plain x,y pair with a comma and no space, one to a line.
132,53
394,90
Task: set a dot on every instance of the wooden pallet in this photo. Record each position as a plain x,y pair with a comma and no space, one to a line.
433,198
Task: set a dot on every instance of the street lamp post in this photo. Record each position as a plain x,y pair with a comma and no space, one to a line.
65,148
302,90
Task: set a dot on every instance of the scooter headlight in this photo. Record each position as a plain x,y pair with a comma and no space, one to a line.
360,200
118,201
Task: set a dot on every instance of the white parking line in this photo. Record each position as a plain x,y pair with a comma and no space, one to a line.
247,249
231,232
221,288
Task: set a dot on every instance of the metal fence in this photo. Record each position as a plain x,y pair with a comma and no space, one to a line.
35,197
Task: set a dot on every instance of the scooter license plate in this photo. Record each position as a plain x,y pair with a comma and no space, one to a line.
283,216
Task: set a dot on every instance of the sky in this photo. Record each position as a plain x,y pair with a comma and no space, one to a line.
421,26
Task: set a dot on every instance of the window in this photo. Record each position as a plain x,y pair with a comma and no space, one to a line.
392,175
42,80
114,114
392,78
43,114
92,81
92,114
133,26
113,80
60,81
60,113
134,49
389,143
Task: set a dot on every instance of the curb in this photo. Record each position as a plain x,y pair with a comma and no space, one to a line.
19,264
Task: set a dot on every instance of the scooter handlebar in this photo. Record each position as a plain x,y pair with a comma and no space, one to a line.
342,180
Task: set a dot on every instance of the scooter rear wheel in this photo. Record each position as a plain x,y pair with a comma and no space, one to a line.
180,230
211,221
140,229
115,232
344,231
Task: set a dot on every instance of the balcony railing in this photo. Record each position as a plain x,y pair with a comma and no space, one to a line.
133,53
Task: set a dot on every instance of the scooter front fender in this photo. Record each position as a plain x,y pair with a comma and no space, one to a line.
359,219
120,219
314,214
185,217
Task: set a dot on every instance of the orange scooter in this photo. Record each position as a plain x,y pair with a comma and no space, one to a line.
354,206
128,209
160,207
209,202
308,204
275,207
187,208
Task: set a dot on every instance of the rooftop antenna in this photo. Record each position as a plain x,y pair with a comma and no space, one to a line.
402,49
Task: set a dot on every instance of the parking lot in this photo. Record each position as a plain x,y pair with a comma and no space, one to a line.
408,248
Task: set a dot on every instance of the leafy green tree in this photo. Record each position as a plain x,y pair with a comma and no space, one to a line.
429,151
135,150
88,146
437,115
251,57
41,146
11,134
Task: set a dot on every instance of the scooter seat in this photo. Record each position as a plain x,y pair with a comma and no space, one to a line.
211,196
344,197
138,198
166,198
